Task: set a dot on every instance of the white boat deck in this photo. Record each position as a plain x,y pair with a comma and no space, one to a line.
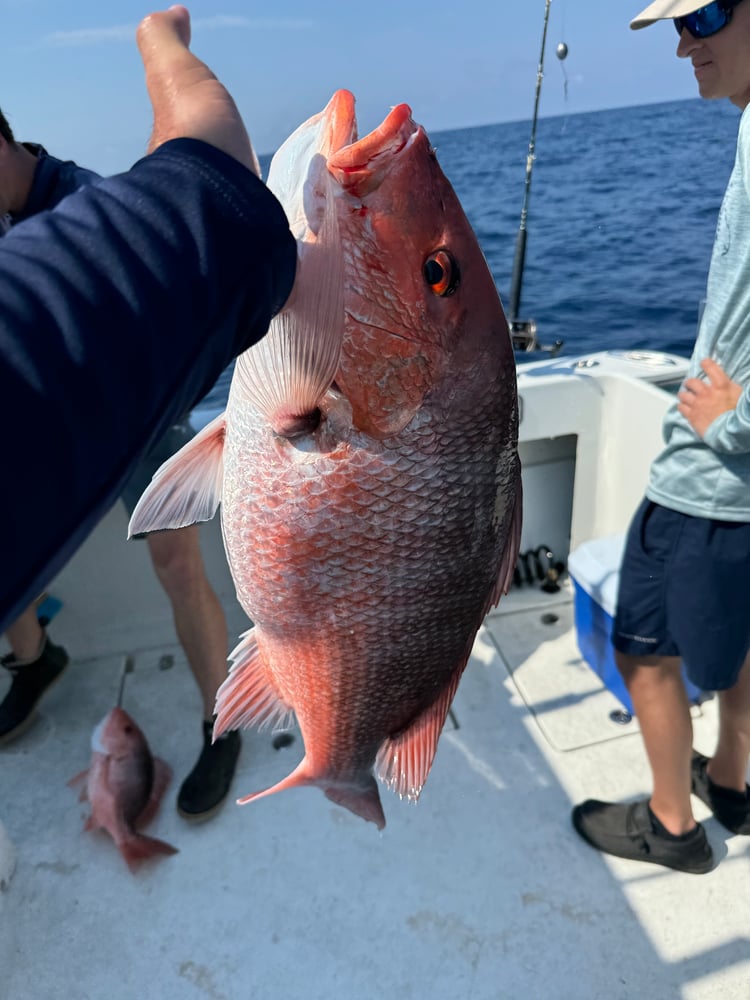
481,891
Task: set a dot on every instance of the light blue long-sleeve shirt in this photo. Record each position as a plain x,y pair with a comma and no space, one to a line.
711,477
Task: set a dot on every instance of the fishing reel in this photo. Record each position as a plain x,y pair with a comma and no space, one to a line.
523,337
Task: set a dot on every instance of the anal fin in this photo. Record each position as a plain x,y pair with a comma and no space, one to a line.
404,760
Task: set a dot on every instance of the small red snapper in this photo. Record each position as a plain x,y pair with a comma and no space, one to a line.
366,464
125,786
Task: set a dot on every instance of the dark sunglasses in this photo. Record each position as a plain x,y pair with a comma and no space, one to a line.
708,20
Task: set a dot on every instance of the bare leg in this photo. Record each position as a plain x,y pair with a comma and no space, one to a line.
202,630
26,635
198,615
728,766
661,704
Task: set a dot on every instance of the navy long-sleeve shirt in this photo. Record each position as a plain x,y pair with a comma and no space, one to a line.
53,180
118,310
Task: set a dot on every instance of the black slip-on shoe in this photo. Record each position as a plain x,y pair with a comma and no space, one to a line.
207,785
731,808
30,680
626,830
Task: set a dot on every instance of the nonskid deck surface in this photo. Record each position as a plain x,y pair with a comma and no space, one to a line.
482,890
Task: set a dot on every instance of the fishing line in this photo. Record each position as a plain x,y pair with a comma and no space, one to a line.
562,54
562,50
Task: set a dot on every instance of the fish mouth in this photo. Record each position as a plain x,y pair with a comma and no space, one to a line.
97,737
115,717
359,164
326,148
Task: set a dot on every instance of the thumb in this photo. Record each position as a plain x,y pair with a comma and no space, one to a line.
163,41
187,99
157,32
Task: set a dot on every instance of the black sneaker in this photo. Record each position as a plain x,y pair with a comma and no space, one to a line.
207,785
731,808
30,680
627,830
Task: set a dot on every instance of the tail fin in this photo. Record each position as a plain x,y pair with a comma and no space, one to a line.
139,848
362,800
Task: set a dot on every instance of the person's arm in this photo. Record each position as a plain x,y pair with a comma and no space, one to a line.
730,432
118,310
121,306
718,409
52,181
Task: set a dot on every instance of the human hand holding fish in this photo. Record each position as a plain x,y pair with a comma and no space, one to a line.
187,99
703,399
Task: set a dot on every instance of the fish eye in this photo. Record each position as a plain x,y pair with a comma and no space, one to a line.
441,273
128,730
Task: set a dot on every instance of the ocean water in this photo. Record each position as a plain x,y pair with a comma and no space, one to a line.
622,214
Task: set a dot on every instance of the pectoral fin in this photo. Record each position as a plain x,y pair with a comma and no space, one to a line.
162,777
187,488
80,779
287,373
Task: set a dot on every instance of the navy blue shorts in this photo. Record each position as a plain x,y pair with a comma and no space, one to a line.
685,591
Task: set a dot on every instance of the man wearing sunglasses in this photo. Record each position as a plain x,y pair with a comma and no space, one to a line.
684,582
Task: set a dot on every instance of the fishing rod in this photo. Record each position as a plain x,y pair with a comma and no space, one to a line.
128,665
523,332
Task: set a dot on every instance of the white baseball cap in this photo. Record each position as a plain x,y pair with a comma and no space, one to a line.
663,10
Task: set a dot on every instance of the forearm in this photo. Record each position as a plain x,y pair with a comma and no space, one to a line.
730,432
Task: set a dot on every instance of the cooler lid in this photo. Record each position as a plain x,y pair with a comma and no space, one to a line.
595,567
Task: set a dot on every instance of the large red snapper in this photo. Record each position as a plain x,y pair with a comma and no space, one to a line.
125,785
366,464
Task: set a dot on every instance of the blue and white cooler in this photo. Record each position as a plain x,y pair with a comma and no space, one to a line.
594,568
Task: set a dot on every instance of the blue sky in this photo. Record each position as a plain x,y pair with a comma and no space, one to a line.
71,78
